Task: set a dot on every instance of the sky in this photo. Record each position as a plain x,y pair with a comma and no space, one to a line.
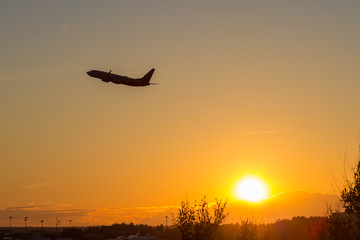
266,88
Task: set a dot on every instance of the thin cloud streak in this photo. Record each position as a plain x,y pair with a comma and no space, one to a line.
258,132
37,185
88,216
28,73
280,206
41,206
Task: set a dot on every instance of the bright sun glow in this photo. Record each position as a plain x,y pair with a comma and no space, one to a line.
251,189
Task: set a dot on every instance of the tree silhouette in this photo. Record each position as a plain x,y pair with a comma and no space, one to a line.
350,195
196,222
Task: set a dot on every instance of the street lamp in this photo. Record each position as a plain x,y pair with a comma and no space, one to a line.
166,217
25,220
57,224
70,228
42,226
10,222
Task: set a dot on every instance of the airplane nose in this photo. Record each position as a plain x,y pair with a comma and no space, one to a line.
90,73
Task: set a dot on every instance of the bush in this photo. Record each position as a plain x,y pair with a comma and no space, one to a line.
195,222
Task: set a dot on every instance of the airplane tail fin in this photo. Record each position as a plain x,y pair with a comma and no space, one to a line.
148,76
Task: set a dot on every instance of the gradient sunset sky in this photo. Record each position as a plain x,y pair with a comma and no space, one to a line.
266,88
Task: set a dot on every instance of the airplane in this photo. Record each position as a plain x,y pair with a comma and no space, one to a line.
117,79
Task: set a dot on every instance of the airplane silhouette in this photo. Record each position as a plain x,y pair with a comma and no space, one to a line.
117,79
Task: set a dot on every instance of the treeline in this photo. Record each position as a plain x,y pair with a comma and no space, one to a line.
336,226
298,228
113,231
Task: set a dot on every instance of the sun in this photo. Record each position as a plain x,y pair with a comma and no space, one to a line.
251,189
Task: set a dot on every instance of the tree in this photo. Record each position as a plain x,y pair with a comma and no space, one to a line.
350,195
196,222
341,226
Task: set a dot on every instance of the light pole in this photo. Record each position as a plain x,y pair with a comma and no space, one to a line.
166,217
42,226
57,224
10,222
70,228
25,220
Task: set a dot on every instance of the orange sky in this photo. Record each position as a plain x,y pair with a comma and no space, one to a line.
246,87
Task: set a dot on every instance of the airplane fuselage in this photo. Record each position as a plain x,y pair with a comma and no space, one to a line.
117,79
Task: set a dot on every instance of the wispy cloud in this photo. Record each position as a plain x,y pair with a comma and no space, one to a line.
37,185
30,73
259,132
41,206
87,216
20,208
280,206
19,74
285,205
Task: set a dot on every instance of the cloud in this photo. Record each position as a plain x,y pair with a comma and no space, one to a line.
37,185
258,132
29,73
281,206
285,205
147,215
85,216
41,206
20,208
19,74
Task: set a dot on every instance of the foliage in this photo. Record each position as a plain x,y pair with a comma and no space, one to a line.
335,226
196,222
123,229
74,233
350,195
342,226
248,230
298,228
